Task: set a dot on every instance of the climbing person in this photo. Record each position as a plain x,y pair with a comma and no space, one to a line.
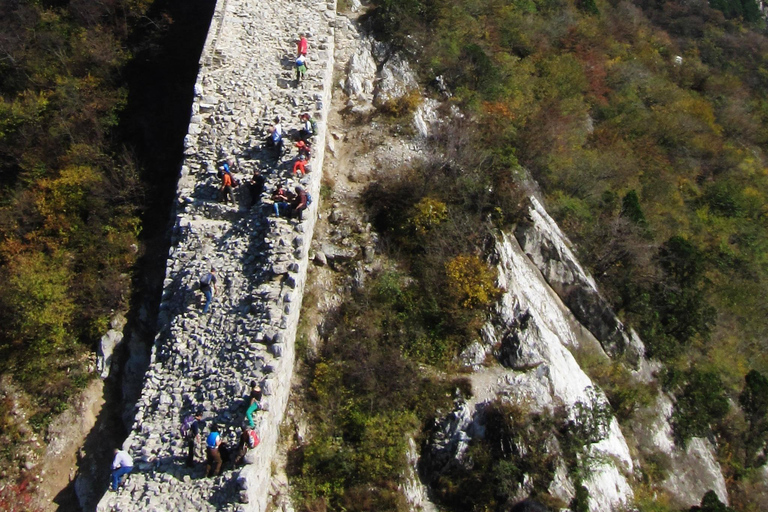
121,465
281,198
191,431
208,287
256,187
248,439
254,403
213,461
226,191
308,127
301,67
302,46
299,203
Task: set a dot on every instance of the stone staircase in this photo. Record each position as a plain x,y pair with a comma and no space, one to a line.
208,360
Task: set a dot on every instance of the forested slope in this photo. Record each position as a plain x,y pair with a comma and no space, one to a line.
645,126
91,122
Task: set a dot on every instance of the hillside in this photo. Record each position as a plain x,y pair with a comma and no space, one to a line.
643,125
641,128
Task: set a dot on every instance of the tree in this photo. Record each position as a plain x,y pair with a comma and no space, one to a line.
630,208
711,503
702,402
754,402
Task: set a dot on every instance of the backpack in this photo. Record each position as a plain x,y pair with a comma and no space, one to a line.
213,437
222,170
314,126
253,439
205,281
309,199
186,426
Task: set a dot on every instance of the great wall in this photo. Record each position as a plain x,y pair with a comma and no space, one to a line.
246,79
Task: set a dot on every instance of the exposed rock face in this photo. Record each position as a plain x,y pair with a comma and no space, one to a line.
207,360
692,470
375,76
549,250
539,332
530,334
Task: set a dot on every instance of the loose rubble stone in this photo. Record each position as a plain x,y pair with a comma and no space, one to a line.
206,360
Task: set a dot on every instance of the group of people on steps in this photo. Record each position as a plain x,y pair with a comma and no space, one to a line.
286,203
217,452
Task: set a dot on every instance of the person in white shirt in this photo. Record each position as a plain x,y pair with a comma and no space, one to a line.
122,465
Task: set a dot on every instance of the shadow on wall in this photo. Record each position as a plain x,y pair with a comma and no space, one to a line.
160,82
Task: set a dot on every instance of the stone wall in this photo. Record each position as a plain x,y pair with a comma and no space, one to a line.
245,80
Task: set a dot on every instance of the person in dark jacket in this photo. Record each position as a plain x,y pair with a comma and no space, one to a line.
256,187
208,287
299,203
195,438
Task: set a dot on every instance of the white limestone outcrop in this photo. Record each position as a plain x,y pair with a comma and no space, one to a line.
207,360
693,469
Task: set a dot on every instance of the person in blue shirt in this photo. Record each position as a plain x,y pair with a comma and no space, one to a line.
212,443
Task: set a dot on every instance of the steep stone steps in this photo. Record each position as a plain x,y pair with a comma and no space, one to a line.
245,80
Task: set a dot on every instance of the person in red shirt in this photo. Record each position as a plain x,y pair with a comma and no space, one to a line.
303,46
301,161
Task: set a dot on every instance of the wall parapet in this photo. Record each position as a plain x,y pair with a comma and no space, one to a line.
207,360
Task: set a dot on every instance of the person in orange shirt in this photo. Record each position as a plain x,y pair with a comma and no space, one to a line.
226,191
301,161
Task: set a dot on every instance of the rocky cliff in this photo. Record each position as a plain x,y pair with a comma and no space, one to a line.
551,309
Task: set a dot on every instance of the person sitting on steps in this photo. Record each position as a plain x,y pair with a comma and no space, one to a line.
254,403
308,127
248,439
282,197
299,203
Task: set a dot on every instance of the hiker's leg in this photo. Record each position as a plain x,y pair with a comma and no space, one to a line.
249,413
208,462
116,474
190,452
216,462
208,298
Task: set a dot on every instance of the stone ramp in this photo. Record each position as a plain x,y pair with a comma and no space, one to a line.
245,80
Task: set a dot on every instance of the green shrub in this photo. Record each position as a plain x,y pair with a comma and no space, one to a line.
700,404
711,503
754,402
